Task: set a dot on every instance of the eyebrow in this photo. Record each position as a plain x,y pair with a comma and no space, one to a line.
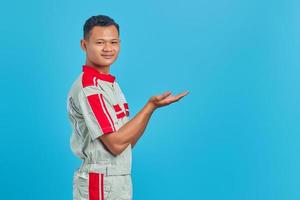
108,40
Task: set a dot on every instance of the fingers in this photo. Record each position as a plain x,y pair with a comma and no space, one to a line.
164,95
183,94
177,97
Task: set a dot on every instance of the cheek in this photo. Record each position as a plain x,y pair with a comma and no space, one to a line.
117,49
94,51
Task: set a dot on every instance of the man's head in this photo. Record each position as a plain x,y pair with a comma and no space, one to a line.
101,41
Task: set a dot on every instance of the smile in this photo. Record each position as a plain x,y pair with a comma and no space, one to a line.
107,57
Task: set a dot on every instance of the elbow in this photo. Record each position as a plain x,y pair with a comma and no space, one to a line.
113,144
117,149
112,148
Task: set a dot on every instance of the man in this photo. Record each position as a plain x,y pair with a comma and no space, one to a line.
103,135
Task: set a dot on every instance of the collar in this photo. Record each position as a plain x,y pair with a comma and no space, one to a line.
105,77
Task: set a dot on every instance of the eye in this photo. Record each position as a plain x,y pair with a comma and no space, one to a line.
100,42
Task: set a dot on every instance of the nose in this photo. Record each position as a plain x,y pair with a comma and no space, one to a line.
107,47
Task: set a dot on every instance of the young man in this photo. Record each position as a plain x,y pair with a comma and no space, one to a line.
103,135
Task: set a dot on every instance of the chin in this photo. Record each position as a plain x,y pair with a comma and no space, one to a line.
108,62
105,63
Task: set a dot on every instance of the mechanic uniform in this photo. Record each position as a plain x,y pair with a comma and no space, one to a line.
97,106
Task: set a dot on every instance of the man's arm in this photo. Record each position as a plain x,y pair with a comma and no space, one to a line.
133,129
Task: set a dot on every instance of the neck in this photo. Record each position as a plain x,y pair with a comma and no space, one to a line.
101,69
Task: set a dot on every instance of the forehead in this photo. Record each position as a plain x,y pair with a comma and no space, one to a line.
104,32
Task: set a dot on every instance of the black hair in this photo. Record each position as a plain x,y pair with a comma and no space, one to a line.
99,20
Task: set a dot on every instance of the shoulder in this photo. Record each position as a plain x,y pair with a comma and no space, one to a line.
76,86
75,90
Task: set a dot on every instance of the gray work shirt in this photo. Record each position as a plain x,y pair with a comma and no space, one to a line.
96,106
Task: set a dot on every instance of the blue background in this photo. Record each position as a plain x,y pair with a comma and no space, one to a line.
234,137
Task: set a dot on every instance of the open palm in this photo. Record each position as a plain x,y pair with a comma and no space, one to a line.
166,98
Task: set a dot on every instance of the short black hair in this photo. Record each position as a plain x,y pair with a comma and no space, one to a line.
99,20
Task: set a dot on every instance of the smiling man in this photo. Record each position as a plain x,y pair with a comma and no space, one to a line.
103,135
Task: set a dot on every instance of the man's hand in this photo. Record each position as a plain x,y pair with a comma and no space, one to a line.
134,128
165,99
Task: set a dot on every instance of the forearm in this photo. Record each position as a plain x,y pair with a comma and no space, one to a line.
130,132
133,129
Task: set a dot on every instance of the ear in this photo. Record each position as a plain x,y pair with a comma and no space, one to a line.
83,45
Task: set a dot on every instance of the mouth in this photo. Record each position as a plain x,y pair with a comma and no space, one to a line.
107,56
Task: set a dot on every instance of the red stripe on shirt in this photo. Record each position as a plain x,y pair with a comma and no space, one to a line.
99,113
94,186
102,100
102,184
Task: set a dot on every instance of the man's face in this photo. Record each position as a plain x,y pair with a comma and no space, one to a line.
103,46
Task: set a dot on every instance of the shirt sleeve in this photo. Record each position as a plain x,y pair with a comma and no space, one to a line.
95,112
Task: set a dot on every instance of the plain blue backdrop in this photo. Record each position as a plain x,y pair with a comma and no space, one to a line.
234,137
